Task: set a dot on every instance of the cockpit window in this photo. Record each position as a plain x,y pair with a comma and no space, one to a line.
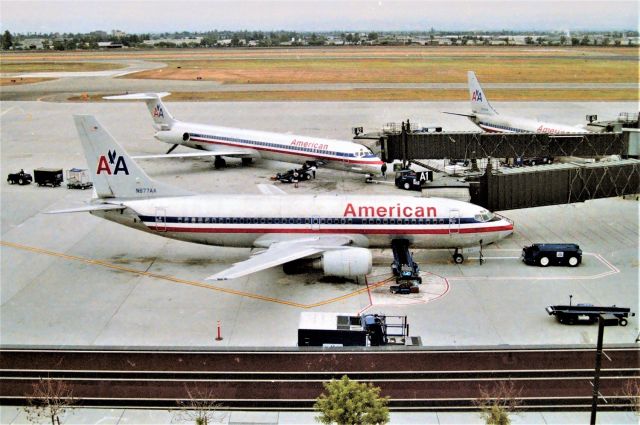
484,216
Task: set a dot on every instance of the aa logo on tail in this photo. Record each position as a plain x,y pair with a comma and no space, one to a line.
113,165
476,96
157,112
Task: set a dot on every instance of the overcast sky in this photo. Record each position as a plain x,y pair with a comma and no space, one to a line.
137,16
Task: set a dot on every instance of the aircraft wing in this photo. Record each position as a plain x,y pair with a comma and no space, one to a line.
269,189
138,96
280,253
218,152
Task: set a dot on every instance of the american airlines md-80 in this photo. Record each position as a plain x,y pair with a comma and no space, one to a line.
484,116
333,232
250,144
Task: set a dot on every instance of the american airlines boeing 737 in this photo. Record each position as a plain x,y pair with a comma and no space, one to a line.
332,231
250,144
484,116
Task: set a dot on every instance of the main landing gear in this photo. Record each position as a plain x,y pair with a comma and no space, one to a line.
219,162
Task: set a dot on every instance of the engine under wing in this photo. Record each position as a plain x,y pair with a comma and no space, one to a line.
280,252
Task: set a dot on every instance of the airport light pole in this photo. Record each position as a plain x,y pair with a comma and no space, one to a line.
603,320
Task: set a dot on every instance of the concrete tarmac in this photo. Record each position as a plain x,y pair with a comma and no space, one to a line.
78,280
13,416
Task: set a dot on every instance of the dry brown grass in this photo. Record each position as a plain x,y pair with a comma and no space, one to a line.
18,81
394,70
394,95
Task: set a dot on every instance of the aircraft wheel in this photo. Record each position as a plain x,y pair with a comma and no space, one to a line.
623,322
219,163
247,161
458,258
573,261
544,261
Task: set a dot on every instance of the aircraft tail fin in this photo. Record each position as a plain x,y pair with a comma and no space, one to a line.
114,173
162,118
479,102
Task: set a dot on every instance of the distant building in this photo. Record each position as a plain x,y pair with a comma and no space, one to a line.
118,33
109,45
177,41
33,43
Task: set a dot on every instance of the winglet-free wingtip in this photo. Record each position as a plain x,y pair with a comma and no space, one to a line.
213,277
138,96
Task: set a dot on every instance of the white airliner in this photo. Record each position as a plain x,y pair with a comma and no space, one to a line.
250,144
331,231
485,117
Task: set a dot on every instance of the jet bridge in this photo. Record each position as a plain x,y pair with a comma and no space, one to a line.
541,185
408,146
504,189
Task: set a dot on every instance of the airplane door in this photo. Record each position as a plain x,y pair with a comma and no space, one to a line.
315,223
454,222
161,219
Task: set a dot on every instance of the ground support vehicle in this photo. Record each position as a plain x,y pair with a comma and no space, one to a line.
587,313
20,178
405,270
537,160
412,180
77,179
294,176
323,329
557,254
48,176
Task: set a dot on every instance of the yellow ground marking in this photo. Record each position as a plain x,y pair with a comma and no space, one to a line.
190,282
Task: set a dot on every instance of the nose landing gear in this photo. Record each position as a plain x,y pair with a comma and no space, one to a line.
458,258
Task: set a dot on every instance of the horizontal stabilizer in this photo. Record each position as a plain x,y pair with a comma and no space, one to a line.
462,115
88,208
138,96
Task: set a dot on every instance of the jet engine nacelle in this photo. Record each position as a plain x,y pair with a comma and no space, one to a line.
350,262
174,136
